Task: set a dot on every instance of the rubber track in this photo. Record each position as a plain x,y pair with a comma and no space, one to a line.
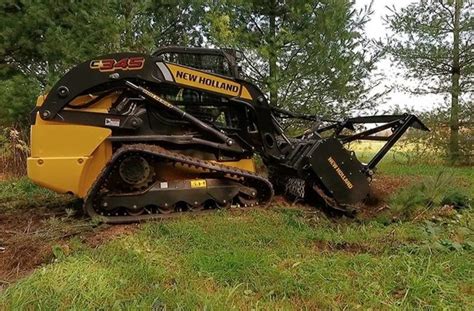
263,186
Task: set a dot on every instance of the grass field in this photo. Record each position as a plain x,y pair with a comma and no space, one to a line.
281,257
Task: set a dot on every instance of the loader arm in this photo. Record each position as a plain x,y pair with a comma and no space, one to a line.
102,76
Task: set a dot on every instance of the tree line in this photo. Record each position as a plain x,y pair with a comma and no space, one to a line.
307,56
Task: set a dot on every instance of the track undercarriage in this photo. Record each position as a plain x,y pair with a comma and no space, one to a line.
166,182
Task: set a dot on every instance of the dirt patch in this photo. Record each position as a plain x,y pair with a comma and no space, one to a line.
28,235
382,188
107,233
352,248
21,245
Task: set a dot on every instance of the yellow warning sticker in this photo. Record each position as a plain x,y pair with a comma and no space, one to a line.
198,183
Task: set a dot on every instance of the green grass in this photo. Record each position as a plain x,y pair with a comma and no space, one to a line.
267,259
22,192
395,163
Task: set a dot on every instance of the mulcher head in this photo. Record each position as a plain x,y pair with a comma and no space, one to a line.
339,172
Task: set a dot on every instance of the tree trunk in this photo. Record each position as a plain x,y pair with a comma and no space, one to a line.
456,71
273,74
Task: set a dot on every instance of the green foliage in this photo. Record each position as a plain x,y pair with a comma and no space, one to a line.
17,95
22,192
430,192
423,43
41,40
310,56
435,143
433,43
457,199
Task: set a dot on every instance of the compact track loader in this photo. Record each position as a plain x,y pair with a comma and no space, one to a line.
146,136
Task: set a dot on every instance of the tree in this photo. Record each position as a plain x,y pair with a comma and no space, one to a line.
309,56
41,40
434,42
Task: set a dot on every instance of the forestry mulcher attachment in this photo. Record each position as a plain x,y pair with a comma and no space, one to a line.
146,136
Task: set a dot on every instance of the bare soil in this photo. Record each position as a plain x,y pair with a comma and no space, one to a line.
28,236
381,188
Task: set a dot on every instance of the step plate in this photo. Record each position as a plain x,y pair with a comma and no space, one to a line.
339,171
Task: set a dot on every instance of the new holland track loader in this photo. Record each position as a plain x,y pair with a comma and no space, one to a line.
146,136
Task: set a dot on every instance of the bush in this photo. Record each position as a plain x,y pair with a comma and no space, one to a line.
434,144
430,193
457,200
14,150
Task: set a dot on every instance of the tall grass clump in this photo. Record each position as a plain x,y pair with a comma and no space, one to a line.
430,193
14,150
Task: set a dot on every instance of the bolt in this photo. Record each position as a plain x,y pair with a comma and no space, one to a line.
166,204
40,161
134,206
105,204
195,203
63,91
46,114
224,201
80,160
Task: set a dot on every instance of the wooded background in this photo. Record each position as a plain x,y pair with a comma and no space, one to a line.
307,56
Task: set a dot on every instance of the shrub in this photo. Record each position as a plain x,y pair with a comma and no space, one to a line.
431,192
435,143
14,150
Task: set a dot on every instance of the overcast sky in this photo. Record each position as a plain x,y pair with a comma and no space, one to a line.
376,29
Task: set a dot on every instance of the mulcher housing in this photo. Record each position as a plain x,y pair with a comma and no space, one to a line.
143,136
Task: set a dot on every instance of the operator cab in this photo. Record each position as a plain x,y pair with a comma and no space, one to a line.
218,61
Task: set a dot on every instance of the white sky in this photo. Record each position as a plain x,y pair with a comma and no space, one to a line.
376,29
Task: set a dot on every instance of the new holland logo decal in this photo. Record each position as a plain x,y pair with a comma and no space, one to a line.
205,81
339,172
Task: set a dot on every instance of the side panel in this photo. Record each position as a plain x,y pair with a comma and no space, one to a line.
67,158
339,171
